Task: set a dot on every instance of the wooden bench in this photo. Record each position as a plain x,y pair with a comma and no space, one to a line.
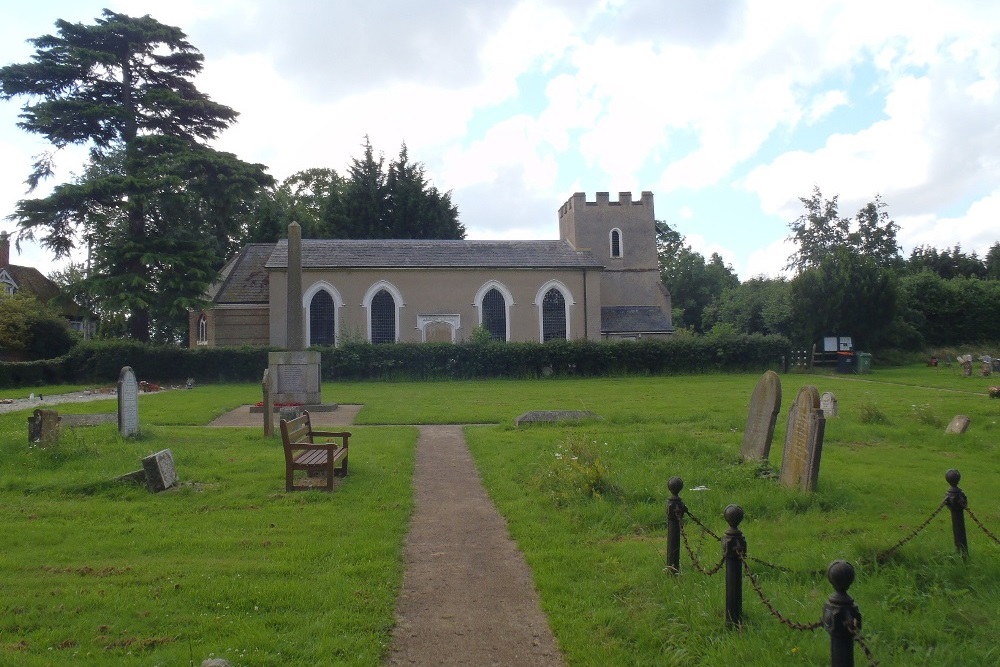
302,452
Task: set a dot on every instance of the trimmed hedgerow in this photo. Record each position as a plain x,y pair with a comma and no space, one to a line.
101,361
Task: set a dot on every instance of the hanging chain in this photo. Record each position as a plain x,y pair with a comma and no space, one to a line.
770,607
694,559
916,531
856,631
981,526
701,525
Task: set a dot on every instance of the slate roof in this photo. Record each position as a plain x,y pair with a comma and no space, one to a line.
633,319
30,280
244,280
429,254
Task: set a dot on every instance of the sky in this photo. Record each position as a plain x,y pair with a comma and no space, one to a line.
727,111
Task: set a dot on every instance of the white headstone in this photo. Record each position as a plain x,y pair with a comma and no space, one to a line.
828,404
128,403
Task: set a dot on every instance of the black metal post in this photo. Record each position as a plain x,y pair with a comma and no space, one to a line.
675,512
956,501
734,546
841,617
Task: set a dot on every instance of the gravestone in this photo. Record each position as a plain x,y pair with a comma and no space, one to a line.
765,402
43,428
128,403
803,441
265,387
958,424
828,404
554,416
966,361
159,470
987,365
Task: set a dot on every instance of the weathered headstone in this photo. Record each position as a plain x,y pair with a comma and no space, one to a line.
289,413
958,424
966,361
43,428
128,403
803,441
552,416
160,471
987,365
828,404
765,402
265,387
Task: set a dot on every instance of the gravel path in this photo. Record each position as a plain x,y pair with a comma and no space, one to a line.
48,400
468,596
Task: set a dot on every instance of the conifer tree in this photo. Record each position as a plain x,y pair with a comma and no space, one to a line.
159,205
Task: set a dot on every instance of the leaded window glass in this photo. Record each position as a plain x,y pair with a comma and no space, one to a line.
495,314
553,315
322,319
383,318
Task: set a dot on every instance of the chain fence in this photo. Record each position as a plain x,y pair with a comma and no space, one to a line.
745,559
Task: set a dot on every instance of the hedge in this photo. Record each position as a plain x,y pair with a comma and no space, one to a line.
101,361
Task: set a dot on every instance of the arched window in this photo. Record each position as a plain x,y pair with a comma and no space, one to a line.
494,314
202,330
553,315
616,243
382,314
493,300
322,319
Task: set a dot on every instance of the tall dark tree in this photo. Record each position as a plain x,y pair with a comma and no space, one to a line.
158,204
363,208
416,209
694,282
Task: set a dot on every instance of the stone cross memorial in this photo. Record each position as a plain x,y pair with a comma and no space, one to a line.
765,402
803,441
295,372
828,404
128,403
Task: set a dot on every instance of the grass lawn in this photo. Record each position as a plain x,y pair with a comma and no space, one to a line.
94,573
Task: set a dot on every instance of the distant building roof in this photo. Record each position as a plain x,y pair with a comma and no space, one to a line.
633,320
419,254
244,279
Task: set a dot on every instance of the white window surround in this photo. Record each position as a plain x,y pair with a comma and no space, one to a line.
202,330
508,300
9,286
338,303
540,295
397,298
611,243
454,321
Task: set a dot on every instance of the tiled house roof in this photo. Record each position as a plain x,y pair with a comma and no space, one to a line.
244,279
414,254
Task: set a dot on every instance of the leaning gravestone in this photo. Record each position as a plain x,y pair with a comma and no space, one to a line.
128,403
828,404
803,441
160,471
765,402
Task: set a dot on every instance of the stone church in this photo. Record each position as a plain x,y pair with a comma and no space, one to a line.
600,280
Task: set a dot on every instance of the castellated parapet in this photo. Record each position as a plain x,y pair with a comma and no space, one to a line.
620,233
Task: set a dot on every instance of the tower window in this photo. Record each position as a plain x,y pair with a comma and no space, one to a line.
616,243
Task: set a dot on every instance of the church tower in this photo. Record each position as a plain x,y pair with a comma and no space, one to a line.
622,235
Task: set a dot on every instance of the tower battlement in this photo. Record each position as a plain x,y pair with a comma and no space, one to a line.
579,200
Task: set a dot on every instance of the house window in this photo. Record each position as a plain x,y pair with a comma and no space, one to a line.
383,317
553,315
494,314
322,319
203,330
616,243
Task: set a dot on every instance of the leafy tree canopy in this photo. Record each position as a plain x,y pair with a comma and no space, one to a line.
159,208
375,200
820,232
694,282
